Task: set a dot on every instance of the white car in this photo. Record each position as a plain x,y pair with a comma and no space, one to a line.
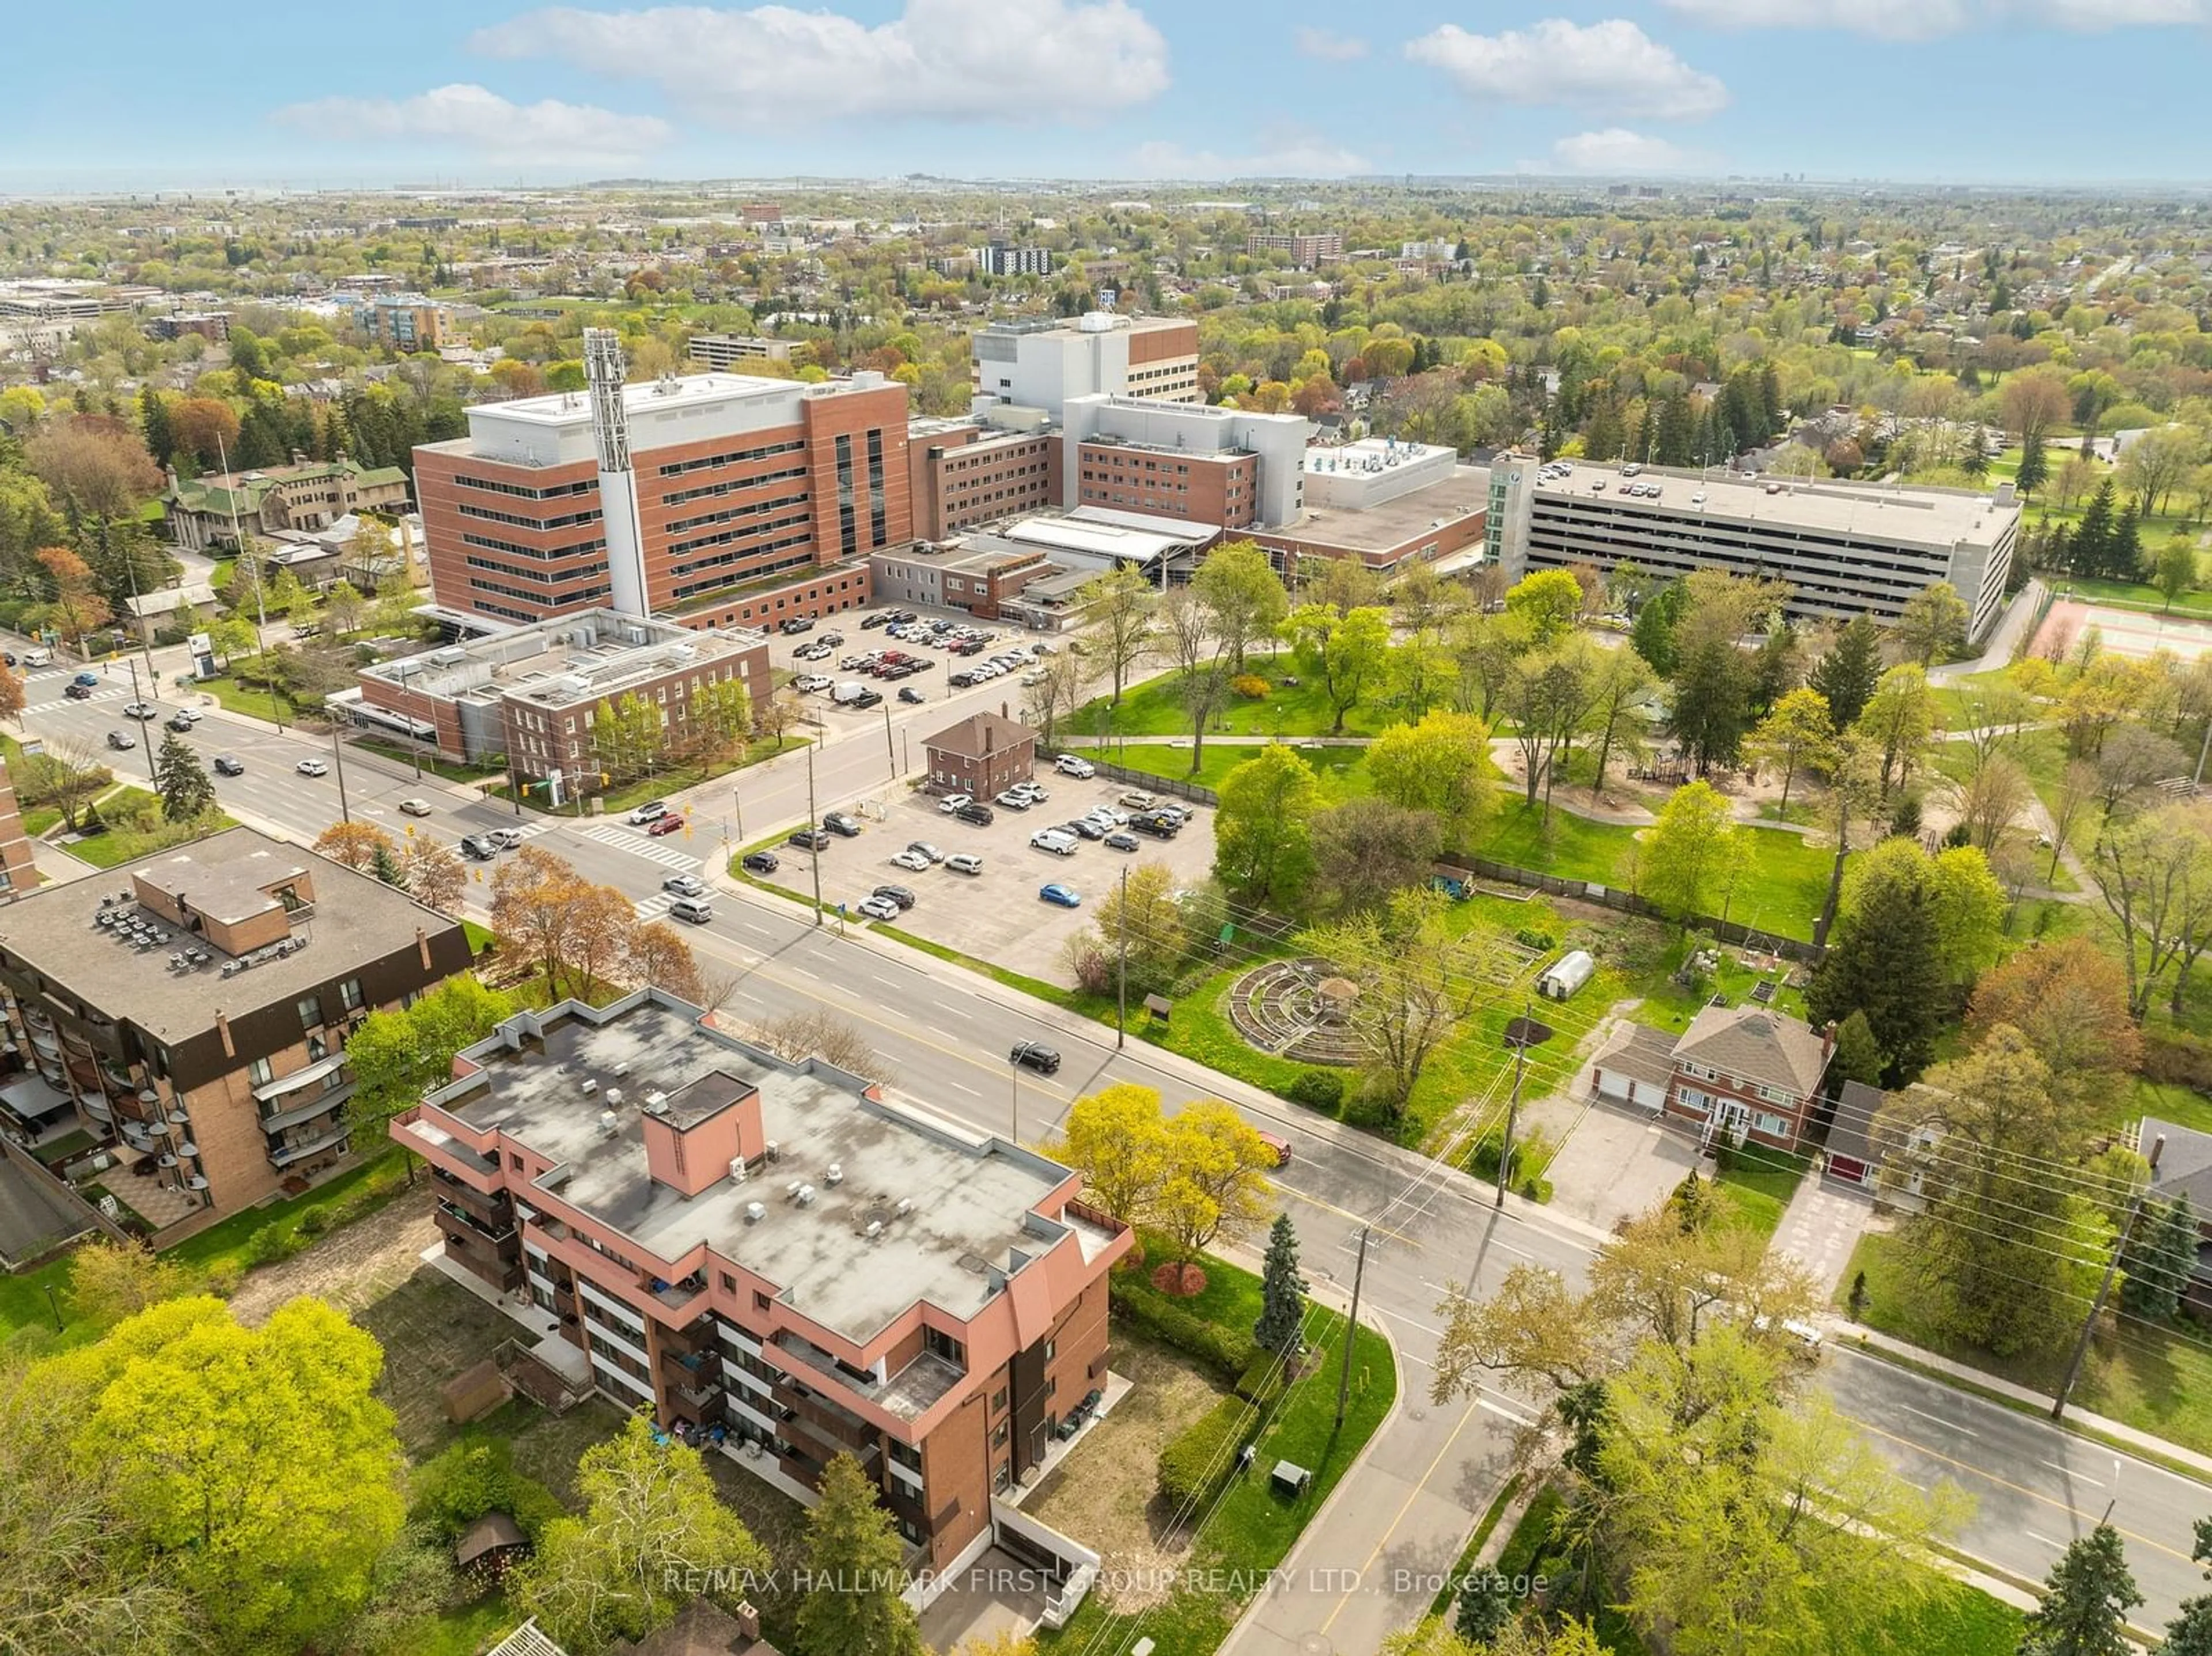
880,908
953,801
1069,765
913,861
964,861
809,682
312,767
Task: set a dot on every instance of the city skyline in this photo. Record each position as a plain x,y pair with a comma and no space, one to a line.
1116,89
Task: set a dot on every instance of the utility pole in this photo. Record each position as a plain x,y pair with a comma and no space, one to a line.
1351,1329
738,803
413,742
1512,1104
260,606
2104,1292
145,728
1014,1069
813,828
1121,968
338,752
891,748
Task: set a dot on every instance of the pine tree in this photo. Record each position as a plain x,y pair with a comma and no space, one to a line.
2124,562
1485,1607
2161,1254
1691,1204
1857,1055
1976,460
855,1554
2189,1633
383,863
182,782
1282,1290
154,421
2086,1600
2034,466
1847,674
2093,535
1884,962
1652,636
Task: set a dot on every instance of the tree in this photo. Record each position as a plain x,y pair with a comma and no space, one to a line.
11,692
434,876
1141,914
397,1055
1549,699
1486,649
77,605
181,781
2085,1601
629,735
820,1032
1549,602
655,957
1418,981
1690,853
1900,719
257,1464
2032,402
1242,597
2159,1259
1262,840
2175,572
1118,609
2034,468
1347,651
2155,878
95,465
535,900
1718,608
600,923
1932,623
1215,1177
1367,848
1652,635
1848,674
465,1480
110,1281
1624,682
2078,787
1883,957
344,608
1116,1139
1857,1055
2131,760
853,1554
718,718
1282,1291
1712,704
1970,910
1992,799
353,844
1202,670
1442,766
1798,729
2155,463
653,1528
2069,998
2093,535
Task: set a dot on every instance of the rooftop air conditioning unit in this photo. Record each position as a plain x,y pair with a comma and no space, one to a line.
610,1124
875,1229
755,1212
834,1174
806,1195
656,1101
793,1189
736,1169
614,1098
590,1086
905,1207
622,1070
774,1152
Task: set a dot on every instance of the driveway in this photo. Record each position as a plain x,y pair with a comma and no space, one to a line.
1820,1227
1615,1163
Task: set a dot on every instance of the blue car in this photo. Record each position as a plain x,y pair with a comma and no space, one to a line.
1063,896
90,681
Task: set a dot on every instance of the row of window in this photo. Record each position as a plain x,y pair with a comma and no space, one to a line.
734,457
581,595
801,521
550,492
590,515
597,544
730,486
800,561
737,513
546,577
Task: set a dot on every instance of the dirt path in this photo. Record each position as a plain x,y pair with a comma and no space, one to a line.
353,1268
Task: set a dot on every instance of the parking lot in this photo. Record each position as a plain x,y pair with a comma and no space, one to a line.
927,669
996,915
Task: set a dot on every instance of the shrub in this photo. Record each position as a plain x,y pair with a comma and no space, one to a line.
1263,1378
462,1482
223,1278
1198,1461
1317,1089
2178,1059
270,1244
1250,686
314,1221
1534,937
1228,1353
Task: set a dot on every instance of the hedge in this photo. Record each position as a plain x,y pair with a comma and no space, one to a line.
2178,1059
1317,1089
1228,1354
1264,1377
1198,1461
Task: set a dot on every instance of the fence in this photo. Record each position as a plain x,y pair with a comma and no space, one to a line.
1145,779
1727,932
2026,641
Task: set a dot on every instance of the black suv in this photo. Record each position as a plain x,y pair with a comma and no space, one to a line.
1151,822
839,822
227,765
895,894
760,862
808,839
974,815
1034,1055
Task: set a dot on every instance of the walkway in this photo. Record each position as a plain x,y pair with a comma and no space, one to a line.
2026,603
1820,1229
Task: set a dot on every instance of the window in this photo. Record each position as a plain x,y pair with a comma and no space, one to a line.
760,1302
513,1162
261,1072
1775,1127
1051,1347
942,1344
1003,1477
998,1399
998,1436
729,1283
311,1011
350,994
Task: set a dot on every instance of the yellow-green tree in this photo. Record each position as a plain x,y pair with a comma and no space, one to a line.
1795,731
1440,764
1116,1138
1216,1183
1692,853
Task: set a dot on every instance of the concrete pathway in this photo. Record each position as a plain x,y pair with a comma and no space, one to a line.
1998,651
1820,1229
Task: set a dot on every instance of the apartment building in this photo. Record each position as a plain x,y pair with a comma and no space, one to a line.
194,1006
536,694
1043,364
17,873
404,322
758,500
1197,464
211,326
306,495
1001,258
964,472
1305,250
726,353
777,1252
1846,549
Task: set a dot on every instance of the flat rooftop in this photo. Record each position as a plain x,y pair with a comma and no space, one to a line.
678,392
1924,516
1136,536
969,1197
127,971
1368,453
564,660
1394,522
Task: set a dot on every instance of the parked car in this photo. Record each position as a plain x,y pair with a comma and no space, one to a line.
119,740
1072,765
1160,828
899,894
660,825
879,909
312,767
807,684
1011,800
414,807
1035,1055
1060,896
760,862
974,815
1035,792
925,851
951,802
843,824
964,861
684,885
1138,799
911,697
1120,841
1084,828
651,811
913,861
868,621
808,838
692,911
796,624
228,765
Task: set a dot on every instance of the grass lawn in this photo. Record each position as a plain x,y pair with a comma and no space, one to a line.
676,777
2157,1380
1666,1004
1343,770
427,756
1156,708
381,1177
1757,1185
55,1151
250,699
1249,1530
2136,595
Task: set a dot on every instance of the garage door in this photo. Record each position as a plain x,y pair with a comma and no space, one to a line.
1613,1085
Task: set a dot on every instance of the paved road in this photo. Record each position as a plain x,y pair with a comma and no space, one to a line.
945,1034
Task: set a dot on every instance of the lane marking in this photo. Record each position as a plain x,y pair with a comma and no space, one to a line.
1420,1486
1948,1425
2078,1477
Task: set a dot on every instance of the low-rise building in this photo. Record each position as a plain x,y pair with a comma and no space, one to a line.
1736,1073
1041,363
1390,505
213,325
778,1253
982,756
307,494
727,353
1224,467
194,1007
978,573
404,322
1305,249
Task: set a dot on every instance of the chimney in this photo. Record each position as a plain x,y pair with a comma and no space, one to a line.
223,1029
748,1621
2157,1149
1827,1042
423,947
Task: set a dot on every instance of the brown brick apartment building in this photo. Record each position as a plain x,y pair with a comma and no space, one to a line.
760,500
982,755
775,1253
964,474
195,1005
1222,489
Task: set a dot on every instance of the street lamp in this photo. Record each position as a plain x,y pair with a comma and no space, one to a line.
413,742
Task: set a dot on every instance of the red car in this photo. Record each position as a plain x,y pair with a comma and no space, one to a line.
670,823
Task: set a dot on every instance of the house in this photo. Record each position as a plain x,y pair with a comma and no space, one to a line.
982,755
1854,1159
1743,1071
2181,1165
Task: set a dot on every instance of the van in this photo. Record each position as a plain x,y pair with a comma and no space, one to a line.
1060,844
693,911
38,657
847,693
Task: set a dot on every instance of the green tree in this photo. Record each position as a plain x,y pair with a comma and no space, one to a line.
1692,853
653,1528
628,736
719,717
1932,623
1970,910
109,1281
1348,650
1797,731
1116,1139
1368,848
2091,545
383,863
1848,672
1624,682
855,1554
1282,1290
1858,1055
1215,1184
1140,915
465,1480
397,1055
2176,571
2159,1259
2085,1601
1549,600
1712,704
1441,765
1419,979
1899,720
1549,700
2034,469
256,1465
1652,634
2123,561
1119,610
1885,956
1262,828
1243,597
182,782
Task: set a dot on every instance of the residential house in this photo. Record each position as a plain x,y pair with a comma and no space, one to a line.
1742,1073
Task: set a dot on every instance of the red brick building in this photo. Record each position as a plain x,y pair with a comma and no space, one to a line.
774,1253
964,474
985,754
759,500
1737,1072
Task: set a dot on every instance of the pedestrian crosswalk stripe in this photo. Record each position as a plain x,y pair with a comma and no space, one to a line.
639,846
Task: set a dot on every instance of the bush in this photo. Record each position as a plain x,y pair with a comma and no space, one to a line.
314,1221
1534,937
2178,1059
1263,1378
270,1243
1250,686
223,1278
1227,1354
461,1484
1198,1461
1317,1089
12,613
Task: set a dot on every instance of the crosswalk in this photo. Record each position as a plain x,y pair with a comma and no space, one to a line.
109,693
638,845
653,907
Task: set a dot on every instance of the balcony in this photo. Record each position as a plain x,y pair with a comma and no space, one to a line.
907,1394
491,1230
674,1296
283,1155
824,1421
321,1104
494,1207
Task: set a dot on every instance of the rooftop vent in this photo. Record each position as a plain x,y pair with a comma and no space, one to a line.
622,1070
793,1189
806,1195
610,1124
755,1212
736,1169
774,1152
614,1098
905,1207
875,1230
834,1174
657,1102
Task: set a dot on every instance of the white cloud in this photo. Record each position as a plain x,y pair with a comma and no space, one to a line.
1927,20
549,132
1326,44
1612,66
1615,150
2095,16
1285,155
950,59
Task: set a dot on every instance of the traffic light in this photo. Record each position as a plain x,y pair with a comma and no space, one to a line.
411,830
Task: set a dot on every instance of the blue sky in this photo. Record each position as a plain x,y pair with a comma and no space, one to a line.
130,95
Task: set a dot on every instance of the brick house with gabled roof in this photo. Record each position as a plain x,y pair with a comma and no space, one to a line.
982,755
1742,1071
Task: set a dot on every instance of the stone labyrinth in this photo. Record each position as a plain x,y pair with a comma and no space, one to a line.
1296,1009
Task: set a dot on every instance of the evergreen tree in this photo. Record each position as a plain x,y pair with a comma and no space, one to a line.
2124,561
1282,1290
154,421
2057,548
2085,1601
1485,1608
1691,1204
2161,1254
854,1554
2189,1633
2035,467
1712,704
1884,963
1847,674
1676,433
182,782
1652,636
1603,436
1976,460
383,863
1857,1055
2093,535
